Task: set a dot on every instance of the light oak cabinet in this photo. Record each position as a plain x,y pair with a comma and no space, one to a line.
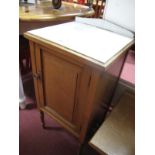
72,89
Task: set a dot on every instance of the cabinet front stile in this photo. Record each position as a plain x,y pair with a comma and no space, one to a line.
34,71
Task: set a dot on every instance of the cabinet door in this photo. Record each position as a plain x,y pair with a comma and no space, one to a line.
59,85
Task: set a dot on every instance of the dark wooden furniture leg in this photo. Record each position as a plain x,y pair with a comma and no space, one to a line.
42,119
81,149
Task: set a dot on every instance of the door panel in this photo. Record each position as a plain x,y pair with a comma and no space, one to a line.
60,83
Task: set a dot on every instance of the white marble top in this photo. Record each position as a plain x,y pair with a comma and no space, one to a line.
93,42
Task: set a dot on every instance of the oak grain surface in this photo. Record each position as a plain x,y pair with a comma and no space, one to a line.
116,135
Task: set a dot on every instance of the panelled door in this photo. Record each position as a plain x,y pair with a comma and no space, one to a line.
59,86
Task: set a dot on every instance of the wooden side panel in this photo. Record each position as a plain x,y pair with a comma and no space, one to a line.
93,82
79,113
101,91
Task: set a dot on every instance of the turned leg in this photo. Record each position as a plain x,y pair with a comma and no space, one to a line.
42,119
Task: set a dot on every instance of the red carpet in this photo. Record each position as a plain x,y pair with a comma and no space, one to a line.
37,141
128,72
34,140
